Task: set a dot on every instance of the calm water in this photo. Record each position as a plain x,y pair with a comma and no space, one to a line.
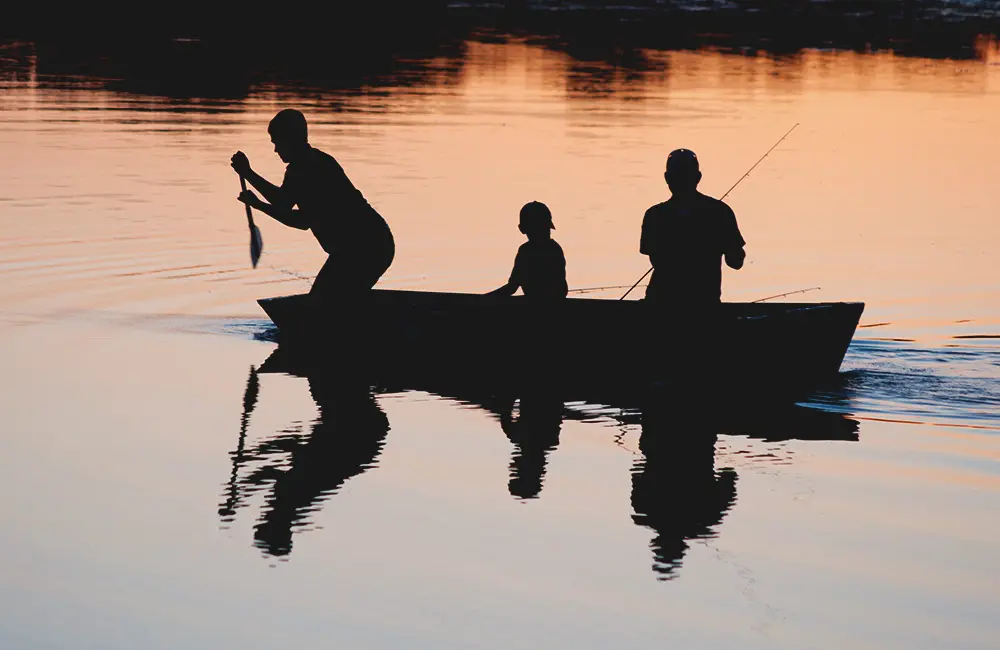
160,494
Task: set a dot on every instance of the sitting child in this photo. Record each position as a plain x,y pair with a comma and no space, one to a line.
540,266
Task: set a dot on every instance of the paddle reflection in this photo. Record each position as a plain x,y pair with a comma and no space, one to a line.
303,469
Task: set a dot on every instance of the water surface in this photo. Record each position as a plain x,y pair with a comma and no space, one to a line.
161,493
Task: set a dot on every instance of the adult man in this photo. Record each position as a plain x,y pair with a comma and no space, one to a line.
355,236
686,237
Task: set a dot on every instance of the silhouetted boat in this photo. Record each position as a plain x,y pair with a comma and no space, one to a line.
578,341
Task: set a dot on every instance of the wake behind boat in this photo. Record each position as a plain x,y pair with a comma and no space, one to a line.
770,346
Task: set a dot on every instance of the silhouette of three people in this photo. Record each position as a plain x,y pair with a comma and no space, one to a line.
685,237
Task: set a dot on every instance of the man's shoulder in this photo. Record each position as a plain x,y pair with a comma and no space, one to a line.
320,157
715,205
659,208
317,160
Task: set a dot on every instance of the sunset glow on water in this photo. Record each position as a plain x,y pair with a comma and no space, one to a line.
863,517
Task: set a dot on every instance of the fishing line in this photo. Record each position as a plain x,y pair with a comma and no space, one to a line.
294,274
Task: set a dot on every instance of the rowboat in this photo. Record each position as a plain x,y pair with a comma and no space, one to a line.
576,342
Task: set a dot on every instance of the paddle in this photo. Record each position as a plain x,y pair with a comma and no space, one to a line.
256,242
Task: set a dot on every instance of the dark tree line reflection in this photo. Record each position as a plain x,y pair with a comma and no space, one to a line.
609,48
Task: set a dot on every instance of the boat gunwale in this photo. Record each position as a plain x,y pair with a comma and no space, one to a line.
484,299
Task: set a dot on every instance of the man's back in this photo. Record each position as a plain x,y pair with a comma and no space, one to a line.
685,238
341,217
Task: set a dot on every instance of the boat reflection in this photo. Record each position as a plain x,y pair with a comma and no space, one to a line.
677,492
677,489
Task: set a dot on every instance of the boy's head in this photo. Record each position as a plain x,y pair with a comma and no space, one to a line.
536,220
288,133
683,173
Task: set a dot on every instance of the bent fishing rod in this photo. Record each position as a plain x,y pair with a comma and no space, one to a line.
787,293
722,199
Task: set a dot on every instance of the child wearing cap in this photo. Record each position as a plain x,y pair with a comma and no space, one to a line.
540,266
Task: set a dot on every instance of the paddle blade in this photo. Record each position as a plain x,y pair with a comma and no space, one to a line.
256,245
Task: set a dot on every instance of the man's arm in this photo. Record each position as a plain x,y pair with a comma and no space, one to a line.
286,215
735,257
733,241
271,192
279,203
648,239
277,196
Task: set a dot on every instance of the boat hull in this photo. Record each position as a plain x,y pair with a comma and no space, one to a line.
578,342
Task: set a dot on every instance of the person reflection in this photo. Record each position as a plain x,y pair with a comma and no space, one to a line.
345,440
534,433
676,490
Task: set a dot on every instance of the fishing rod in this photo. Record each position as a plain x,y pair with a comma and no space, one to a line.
615,286
789,293
722,199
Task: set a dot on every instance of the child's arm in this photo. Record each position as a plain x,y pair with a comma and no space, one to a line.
506,290
512,283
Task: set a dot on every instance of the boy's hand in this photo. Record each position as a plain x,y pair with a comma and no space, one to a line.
250,199
240,163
